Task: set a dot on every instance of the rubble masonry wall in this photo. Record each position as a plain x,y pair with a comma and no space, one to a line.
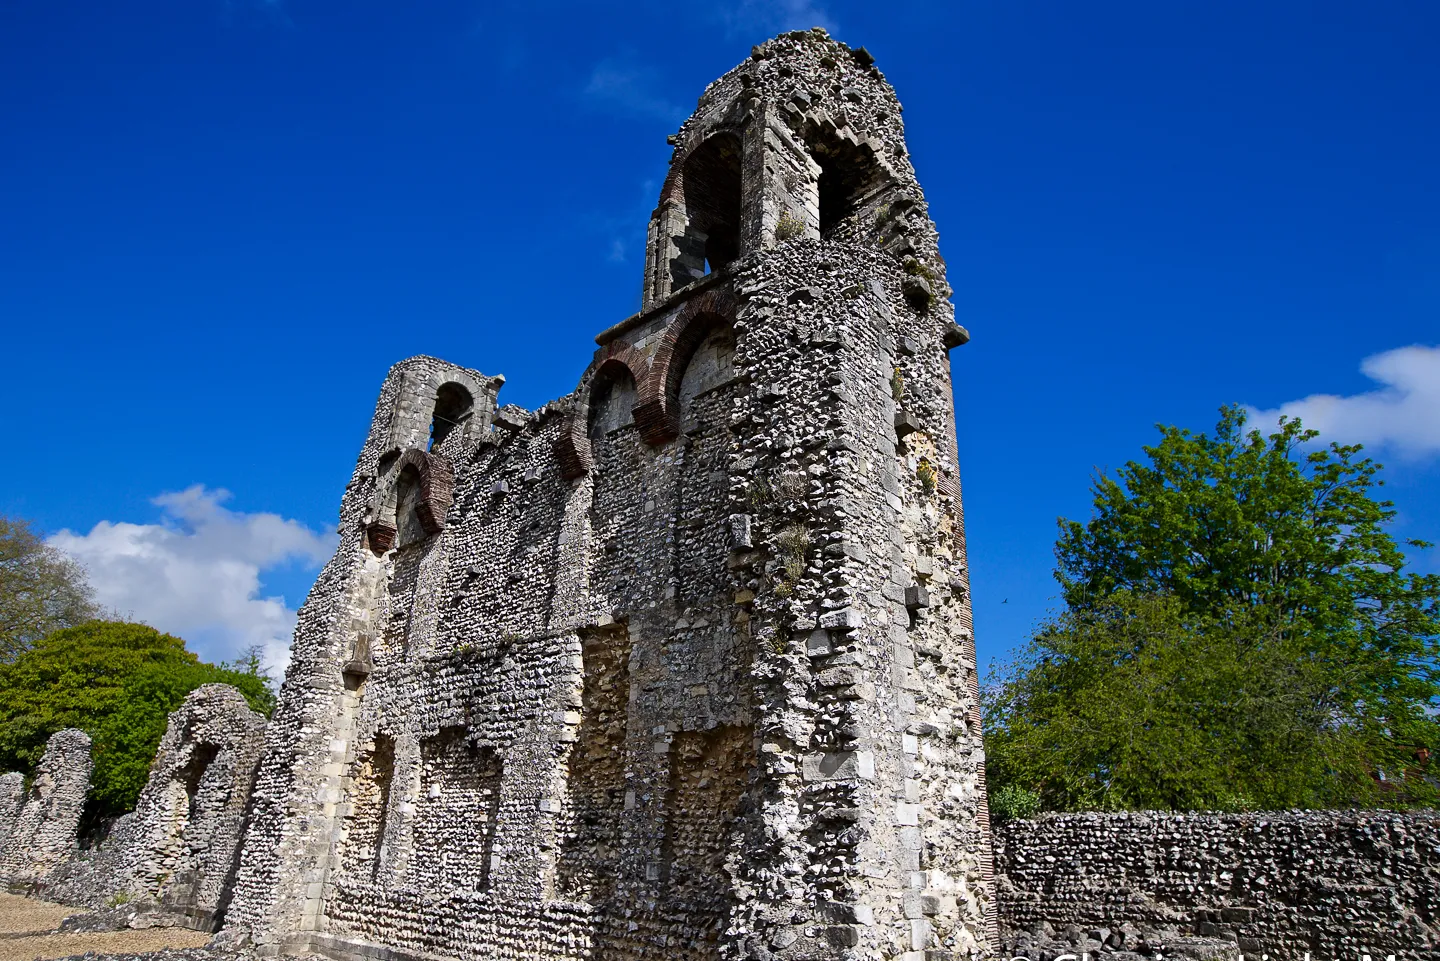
42,834
1335,884
678,666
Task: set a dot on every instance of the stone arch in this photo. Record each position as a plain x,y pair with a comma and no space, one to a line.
612,361
658,414
433,481
713,191
439,407
454,406
850,174
696,228
612,396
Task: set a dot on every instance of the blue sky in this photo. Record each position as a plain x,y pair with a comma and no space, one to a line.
222,220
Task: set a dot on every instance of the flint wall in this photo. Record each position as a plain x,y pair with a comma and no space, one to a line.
1335,884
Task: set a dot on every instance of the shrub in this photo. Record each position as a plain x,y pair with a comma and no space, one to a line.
925,474
117,682
791,545
1013,803
788,227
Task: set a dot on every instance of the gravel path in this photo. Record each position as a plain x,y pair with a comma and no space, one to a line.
27,933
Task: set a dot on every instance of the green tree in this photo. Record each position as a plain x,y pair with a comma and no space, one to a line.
1239,632
116,681
41,589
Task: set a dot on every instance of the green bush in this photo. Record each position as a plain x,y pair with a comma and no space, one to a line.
117,682
1012,802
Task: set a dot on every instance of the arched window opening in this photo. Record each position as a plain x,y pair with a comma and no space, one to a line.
711,178
711,366
192,773
407,498
847,173
612,398
453,407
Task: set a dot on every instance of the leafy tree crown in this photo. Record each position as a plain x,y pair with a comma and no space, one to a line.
116,681
1239,631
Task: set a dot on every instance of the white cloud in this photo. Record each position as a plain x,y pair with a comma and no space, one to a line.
767,17
632,88
196,574
1403,415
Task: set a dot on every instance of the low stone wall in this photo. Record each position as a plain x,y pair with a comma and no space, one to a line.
1336,884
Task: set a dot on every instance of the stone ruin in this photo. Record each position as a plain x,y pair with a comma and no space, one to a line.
1289,885
680,666
38,826
177,851
180,846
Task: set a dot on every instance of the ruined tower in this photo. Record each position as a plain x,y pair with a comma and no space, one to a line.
678,666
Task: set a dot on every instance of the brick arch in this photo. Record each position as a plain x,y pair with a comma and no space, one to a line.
437,493
657,414
572,450
698,225
616,360
437,487
672,190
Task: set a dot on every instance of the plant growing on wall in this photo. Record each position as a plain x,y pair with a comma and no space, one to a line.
759,493
788,227
918,268
925,474
790,547
791,484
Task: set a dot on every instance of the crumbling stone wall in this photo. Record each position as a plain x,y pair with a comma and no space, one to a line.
12,798
176,853
1333,884
42,835
180,846
679,665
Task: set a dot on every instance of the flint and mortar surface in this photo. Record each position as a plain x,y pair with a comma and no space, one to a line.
1333,884
40,823
177,852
